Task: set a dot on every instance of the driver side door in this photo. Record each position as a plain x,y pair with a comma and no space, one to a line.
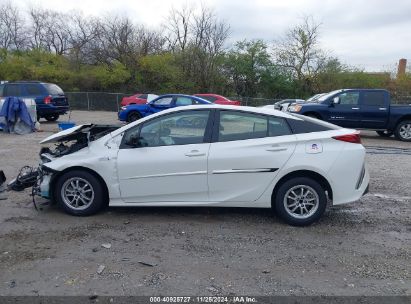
165,160
346,113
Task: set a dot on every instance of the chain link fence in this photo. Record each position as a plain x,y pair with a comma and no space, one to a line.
106,101
95,101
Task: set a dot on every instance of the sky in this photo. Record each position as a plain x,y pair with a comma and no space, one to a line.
368,34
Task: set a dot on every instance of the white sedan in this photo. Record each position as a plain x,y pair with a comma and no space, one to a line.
207,155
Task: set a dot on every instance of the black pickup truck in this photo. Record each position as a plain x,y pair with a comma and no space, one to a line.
361,109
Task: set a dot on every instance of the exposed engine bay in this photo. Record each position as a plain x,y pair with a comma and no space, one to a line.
66,142
77,140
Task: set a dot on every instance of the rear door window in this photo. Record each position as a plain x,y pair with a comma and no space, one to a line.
183,101
278,127
375,98
34,90
236,125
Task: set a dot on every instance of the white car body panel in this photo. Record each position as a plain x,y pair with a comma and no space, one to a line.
225,174
230,168
171,173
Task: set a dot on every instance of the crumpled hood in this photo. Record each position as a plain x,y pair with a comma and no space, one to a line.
64,134
92,131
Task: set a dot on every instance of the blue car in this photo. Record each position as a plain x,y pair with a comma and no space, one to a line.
136,111
50,99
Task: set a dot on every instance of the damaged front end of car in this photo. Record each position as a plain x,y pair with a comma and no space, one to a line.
66,142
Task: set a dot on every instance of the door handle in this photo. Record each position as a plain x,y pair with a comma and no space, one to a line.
276,149
383,109
194,153
355,108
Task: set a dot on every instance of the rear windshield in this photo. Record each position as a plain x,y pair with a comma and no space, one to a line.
307,124
53,89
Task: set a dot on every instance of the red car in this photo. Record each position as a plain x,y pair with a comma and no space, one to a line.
134,99
218,99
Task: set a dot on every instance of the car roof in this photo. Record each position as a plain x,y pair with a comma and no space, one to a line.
182,95
266,111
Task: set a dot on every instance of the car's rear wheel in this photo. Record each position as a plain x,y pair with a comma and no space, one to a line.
385,133
300,201
52,117
79,192
133,116
403,130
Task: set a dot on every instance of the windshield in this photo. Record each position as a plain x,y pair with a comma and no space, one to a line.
328,95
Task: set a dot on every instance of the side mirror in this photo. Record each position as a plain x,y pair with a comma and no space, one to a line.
336,100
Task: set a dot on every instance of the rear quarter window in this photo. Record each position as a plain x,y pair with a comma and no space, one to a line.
53,89
309,125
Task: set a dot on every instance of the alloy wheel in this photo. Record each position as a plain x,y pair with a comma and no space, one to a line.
301,201
77,193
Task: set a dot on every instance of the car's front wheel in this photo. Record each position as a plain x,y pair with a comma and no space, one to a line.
133,116
79,192
403,130
300,201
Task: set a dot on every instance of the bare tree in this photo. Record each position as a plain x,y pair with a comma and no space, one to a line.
177,26
83,30
299,51
198,36
12,31
50,30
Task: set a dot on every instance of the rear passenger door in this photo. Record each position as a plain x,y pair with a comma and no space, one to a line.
246,153
374,109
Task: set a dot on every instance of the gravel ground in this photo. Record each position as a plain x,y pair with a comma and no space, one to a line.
362,248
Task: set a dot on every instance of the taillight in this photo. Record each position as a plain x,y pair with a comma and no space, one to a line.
351,138
47,99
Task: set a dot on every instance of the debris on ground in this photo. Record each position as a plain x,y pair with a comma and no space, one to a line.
147,264
106,245
100,269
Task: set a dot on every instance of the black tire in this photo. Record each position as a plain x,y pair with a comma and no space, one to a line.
133,116
38,116
97,200
52,117
401,132
385,133
309,184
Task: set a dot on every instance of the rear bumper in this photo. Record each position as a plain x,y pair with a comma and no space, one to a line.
352,196
52,109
